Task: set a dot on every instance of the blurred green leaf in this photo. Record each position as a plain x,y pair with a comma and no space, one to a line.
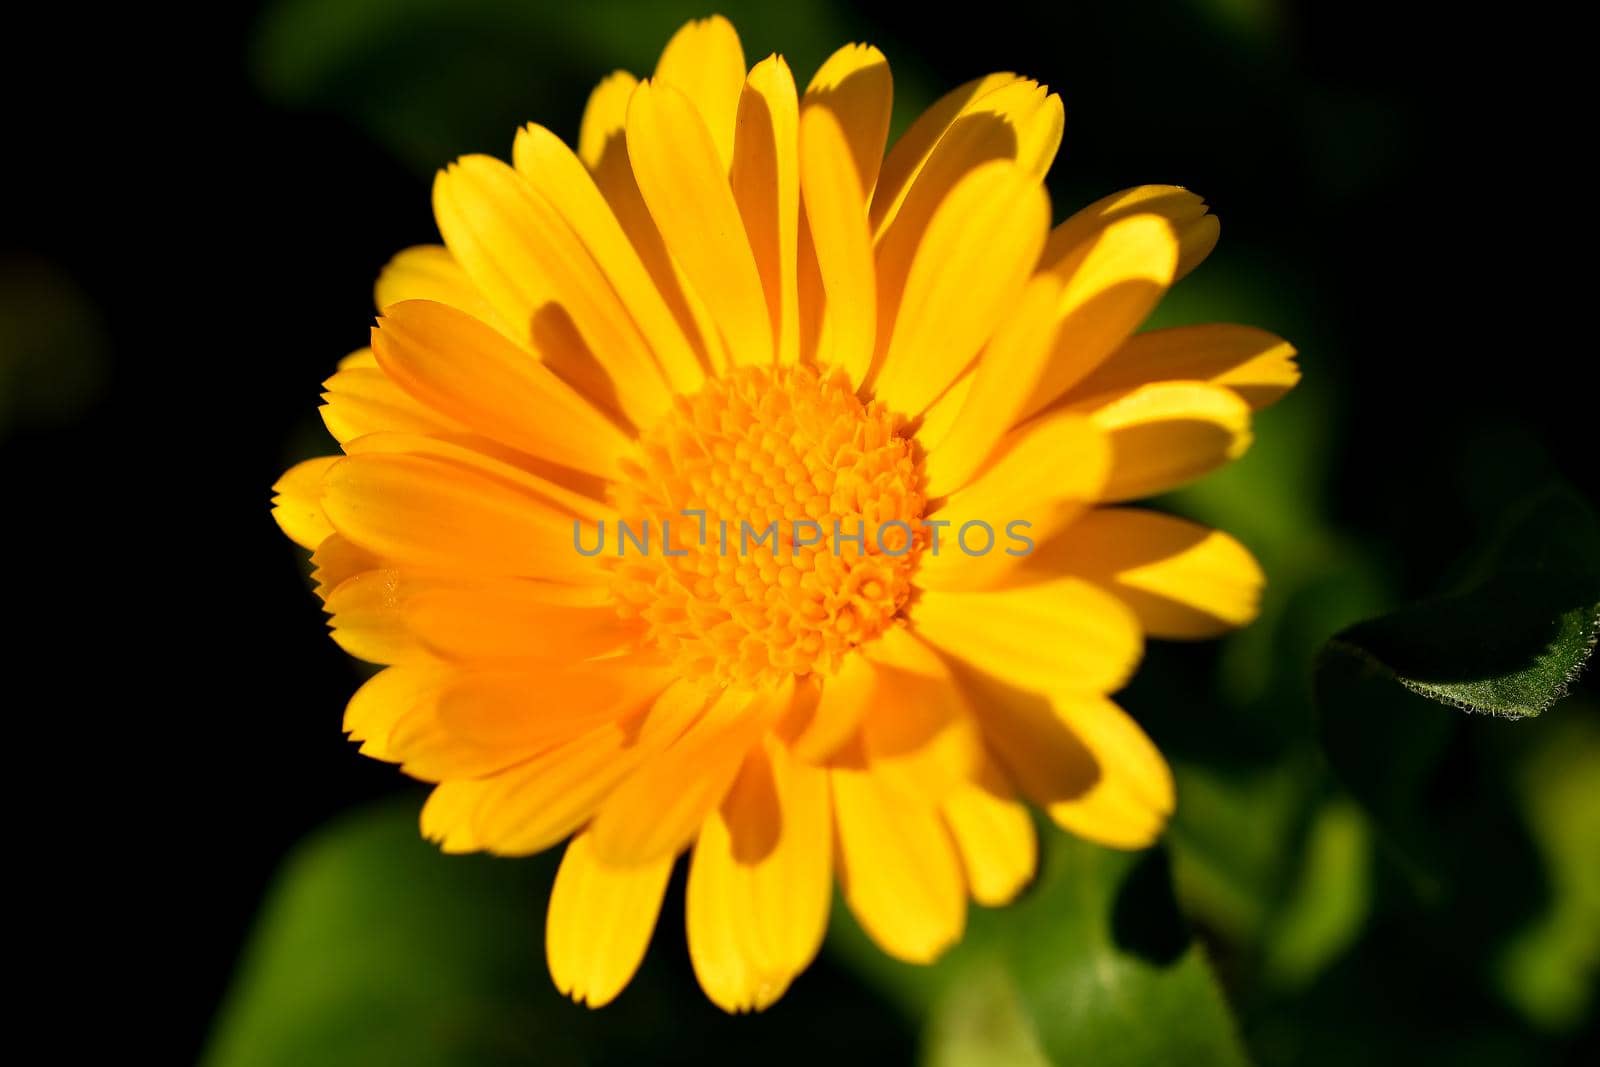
1093,965
1511,642
432,79
1550,967
1387,691
55,362
375,948
1329,901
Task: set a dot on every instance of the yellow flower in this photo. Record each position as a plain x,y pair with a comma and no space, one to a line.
730,311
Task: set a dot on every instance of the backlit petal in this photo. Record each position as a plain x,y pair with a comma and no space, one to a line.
1253,363
1111,283
766,186
994,834
968,269
297,502
466,370
683,181
430,272
761,881
705,62
1197,231
1182,580
836,214
659,810
600,920
1168,434
557,175
902,877
1061,633
854,86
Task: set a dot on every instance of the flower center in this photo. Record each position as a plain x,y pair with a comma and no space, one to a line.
784,522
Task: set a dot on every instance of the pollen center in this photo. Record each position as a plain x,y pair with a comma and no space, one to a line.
780,520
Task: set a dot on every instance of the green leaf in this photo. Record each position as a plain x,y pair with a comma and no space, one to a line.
1507,644
1511,642
1093,965
375,948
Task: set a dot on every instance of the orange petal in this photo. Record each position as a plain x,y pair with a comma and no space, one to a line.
456,365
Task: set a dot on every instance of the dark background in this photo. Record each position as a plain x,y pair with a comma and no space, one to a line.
204,198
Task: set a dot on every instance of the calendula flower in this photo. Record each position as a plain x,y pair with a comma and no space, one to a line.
730,315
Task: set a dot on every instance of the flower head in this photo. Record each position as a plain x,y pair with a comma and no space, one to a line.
730,486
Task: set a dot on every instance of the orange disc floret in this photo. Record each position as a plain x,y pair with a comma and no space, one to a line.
781,520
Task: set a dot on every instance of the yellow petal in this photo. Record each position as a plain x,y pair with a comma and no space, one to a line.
705,62
821,727
1043,476
1019,122
1080,758
382,701
1197,231
385,614
682,181
1112,283
761,881
836,214
535,804
1004,379
1060,633
604,117
297,502
994,835
613,176
854,86
517,248
395,715
559,176
1253,363
536,710
447,815
367,620
600,920
336,560
560,487
1170,433
918,730
1129,805
766,186
969,267
1182,579
460,367
516,620
911,152
901,876
437,513
359,400
659,810
430,272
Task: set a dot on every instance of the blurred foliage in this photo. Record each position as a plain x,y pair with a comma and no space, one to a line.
434,79
1094,964
1509,645
375,948
54,358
